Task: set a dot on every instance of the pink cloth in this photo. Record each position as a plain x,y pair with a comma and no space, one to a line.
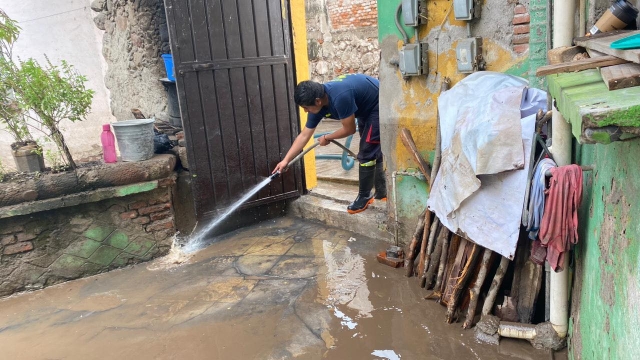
559,227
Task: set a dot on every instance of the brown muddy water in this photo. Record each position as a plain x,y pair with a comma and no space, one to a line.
283,289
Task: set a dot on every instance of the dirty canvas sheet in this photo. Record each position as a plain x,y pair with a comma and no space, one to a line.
479,189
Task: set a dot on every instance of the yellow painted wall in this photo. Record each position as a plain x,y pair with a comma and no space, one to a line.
299,31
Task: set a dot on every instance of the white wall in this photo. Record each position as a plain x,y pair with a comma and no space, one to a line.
64,29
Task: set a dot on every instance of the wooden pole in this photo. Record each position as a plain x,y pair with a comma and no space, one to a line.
408,142
461,283
475,292
495,285
427,259
415,241
423,244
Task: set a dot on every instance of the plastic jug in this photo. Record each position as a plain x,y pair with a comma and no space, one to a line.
108,144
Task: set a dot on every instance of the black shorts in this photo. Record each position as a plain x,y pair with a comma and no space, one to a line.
369,129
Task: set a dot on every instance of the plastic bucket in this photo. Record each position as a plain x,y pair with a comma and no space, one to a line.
135,139
168,65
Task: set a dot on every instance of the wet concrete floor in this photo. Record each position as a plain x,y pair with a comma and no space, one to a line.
282,289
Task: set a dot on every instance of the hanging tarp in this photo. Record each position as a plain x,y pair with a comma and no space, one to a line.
480,186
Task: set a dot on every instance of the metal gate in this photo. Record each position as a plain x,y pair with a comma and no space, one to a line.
234,73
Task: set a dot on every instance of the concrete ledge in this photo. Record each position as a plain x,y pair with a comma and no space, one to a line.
370,223
49,186
83,198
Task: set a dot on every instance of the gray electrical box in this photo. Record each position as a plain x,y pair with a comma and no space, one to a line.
463,9
410,12
413,59
469,55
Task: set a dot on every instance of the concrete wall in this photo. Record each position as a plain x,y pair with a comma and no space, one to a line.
606,295
64,30
342,38
412,103
605,308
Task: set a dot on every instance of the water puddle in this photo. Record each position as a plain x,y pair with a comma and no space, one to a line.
386,354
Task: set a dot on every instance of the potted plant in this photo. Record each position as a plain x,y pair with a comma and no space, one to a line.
26,152
39,98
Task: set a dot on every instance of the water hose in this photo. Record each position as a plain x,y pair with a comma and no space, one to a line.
302,154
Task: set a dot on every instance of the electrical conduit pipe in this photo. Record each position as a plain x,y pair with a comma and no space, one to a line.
563,18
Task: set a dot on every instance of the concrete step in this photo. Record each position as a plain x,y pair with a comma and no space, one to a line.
327,203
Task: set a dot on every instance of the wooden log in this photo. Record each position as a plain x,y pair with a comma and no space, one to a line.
423,244
435,257
529,286
475,292
603,44
579,65
427,258
408,142
564,54
495,286
461,281
415,242
443,264
621,76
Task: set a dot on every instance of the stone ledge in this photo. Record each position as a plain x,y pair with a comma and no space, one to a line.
81,198
49,186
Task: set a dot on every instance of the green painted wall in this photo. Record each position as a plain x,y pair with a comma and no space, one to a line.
605,321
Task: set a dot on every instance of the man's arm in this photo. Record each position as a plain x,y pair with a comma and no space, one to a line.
348,128
296,148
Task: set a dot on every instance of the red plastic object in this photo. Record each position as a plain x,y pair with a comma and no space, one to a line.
108,144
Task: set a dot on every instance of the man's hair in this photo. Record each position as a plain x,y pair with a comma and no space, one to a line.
307,92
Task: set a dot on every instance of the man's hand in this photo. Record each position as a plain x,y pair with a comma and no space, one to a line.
281,167
323,140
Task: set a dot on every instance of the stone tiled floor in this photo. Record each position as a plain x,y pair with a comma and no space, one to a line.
282,289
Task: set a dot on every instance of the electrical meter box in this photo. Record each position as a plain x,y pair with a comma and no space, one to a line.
463,9
469,55
410,12
413,59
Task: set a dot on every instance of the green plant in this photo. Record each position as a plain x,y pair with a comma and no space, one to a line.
3,172
11,115
35,94
54,93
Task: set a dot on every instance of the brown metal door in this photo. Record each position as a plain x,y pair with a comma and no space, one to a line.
234,73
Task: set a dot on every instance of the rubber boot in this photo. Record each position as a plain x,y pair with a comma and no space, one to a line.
380,182
367,175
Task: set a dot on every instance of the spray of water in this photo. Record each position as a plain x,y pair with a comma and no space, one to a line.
197,240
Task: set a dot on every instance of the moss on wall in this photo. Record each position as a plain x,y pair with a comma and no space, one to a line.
606,296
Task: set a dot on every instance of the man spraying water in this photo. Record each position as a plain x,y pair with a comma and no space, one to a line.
349,98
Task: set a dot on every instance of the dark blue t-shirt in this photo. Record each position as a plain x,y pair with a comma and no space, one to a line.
348,95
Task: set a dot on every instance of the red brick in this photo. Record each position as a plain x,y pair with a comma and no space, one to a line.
8,240
520,39
18,248
154,208
520,9
25,236
137,205
166,182
160,225
161,199
521,19
129,215
160,215
142,220
521,48
521,29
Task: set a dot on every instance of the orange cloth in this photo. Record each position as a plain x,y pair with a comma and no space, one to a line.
559,227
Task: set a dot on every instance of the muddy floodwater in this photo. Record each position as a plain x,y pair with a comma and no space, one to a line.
283,289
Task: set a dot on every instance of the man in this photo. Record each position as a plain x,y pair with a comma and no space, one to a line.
347,98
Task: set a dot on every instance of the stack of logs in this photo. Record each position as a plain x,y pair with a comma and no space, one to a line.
456,268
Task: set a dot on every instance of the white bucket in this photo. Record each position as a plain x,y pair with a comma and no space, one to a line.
135,139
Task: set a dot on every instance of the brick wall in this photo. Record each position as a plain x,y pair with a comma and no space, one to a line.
352,13
521,29
49,247
342,38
